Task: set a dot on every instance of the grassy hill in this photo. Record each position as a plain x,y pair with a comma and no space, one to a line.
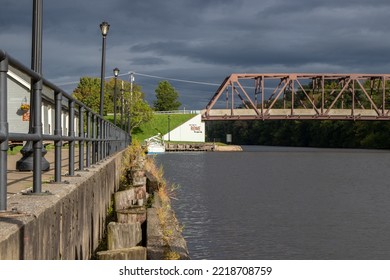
159,124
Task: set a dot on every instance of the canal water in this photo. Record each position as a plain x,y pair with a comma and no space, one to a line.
283,203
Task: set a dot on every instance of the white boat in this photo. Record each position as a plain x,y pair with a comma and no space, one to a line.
155,145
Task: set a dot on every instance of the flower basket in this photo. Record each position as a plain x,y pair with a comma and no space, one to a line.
25,107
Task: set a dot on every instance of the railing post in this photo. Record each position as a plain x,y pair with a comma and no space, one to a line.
58,132
37,130
71,134
3,131
118,139
94,143
88,135
105,139
110,143
103,135
100,136
81,134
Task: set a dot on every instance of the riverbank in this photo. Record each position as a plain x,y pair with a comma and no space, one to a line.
142,224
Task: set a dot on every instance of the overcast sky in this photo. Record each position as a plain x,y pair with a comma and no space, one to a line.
201,40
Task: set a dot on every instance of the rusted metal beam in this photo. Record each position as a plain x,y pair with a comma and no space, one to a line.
330,96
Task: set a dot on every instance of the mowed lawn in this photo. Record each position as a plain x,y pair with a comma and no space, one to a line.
159,124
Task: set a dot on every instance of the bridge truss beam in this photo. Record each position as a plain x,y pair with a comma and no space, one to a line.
301,96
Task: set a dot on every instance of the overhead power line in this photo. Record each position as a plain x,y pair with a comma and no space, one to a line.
150,76
177,80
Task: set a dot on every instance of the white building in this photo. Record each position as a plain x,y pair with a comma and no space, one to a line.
191,131
18,85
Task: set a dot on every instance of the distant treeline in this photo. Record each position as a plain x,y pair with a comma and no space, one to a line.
327,134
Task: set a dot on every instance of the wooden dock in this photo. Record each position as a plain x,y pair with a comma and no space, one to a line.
201,147
193,147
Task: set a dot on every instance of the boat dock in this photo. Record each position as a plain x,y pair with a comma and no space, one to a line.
201,147
198,147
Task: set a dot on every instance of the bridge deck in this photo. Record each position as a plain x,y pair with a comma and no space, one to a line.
296,114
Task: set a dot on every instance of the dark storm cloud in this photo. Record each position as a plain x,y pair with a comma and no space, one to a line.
202,39
147,61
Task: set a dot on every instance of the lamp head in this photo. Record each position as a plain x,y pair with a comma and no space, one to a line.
116,72
104,27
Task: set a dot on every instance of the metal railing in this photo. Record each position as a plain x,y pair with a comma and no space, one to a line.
97,137
178,112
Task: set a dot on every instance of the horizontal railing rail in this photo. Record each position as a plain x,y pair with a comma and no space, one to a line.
97,138
178,112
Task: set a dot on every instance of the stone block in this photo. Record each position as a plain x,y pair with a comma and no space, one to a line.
137,173
139,181
140,192
135,253
135,214
121,236
151,183
124,199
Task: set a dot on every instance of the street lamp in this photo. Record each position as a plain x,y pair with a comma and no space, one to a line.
104,27
116,73
33,158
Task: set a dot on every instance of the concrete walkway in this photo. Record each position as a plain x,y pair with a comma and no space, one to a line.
18,181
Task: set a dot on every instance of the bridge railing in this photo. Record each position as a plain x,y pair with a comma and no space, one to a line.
178,112
96,139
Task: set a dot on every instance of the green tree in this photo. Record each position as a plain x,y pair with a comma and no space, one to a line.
134,104
167,97
88,92
140,111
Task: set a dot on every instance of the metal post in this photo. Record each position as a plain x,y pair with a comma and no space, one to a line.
3,130
81,134
102,77
116,73
37,130
26,163
58,132
88,135
105,142
102,142
36,53
94,145
71,134
99,136
115,101
104,27
109,142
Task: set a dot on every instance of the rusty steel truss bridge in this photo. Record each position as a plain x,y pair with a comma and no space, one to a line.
297,96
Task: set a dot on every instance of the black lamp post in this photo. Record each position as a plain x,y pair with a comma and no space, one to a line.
104,27
33,153
116,73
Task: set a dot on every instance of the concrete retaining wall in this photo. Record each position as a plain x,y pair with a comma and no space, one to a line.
68,224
